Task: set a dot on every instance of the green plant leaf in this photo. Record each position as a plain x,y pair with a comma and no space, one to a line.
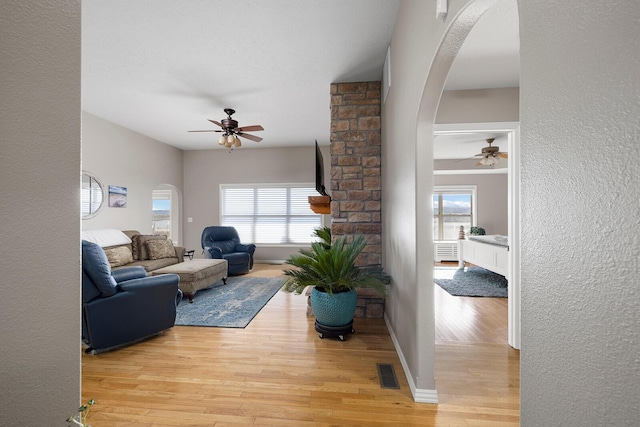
332,267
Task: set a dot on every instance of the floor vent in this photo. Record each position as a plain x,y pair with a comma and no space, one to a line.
387,376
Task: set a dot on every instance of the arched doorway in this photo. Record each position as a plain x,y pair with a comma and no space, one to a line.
166,212
453,38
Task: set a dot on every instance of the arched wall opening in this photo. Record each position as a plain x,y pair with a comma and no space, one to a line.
453,36
166,208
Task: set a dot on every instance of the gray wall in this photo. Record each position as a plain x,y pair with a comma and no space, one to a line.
120,156
580,246
492,198
479,106
409,305
39,212
205,170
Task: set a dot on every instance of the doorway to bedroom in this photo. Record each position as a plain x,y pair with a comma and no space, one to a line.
484,307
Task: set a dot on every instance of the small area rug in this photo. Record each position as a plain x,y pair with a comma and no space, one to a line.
471,282
233,305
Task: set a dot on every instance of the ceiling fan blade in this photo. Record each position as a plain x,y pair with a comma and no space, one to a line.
504,155
469,158
251,137
212,130
216,123
252,128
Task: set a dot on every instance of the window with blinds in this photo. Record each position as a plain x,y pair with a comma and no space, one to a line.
273,214
453,206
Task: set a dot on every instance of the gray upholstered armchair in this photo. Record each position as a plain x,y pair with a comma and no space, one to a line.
123,306
220,242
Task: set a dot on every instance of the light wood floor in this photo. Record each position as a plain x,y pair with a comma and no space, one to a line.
277,372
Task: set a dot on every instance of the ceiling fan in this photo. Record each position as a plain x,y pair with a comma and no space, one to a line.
490,155
231,131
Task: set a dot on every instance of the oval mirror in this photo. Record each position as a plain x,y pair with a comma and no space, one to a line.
91,196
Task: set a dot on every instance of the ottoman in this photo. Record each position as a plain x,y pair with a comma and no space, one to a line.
196,274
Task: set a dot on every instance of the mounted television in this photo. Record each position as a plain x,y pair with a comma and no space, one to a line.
320,172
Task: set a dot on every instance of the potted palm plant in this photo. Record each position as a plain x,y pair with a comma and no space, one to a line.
330,269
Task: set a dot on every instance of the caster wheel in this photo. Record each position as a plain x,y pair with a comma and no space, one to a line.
334,331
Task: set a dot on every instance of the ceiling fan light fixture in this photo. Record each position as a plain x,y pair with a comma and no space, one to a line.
237,142
222,140
489,160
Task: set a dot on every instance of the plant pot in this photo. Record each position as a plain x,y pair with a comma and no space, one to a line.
335,309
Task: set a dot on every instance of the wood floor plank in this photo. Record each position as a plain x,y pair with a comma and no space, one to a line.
278,372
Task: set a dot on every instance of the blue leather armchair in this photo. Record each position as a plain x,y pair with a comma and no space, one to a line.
124,306
219,242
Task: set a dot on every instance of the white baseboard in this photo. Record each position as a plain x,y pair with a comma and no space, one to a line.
419,395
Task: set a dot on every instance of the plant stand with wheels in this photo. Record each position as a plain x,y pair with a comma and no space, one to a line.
334,331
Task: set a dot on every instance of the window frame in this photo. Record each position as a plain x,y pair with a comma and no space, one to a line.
254,215
93,194
454,189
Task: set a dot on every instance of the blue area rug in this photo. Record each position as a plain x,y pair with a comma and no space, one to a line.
233,305
471,282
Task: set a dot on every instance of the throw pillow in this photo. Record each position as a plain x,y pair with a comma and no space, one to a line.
119,255
133,235
96,265
159,249
142,239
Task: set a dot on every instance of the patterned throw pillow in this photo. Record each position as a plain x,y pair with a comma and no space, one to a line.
119,255
142,240
159,249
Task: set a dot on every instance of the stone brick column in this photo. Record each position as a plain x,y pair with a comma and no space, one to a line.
355,165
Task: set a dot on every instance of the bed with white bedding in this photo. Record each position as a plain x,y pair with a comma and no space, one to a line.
490,252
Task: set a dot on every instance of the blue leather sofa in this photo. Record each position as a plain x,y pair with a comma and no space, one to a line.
124,306
220,242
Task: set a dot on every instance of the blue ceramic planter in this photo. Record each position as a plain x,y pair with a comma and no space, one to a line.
336,309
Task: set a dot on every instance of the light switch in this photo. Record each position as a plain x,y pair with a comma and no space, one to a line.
189,219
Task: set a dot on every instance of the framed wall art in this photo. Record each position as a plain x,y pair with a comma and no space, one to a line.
117,196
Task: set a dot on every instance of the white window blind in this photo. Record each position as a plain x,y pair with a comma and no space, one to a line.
269,213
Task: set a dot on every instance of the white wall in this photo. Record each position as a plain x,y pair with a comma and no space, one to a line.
580,245
39,212
120,156
492,197
205,170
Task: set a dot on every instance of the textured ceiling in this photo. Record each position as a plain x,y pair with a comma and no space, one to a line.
163,67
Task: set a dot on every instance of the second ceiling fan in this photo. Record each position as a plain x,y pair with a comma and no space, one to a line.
231,132
490,155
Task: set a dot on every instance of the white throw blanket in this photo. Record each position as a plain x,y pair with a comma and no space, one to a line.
106,237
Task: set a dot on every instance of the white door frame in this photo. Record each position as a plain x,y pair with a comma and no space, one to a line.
512,129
